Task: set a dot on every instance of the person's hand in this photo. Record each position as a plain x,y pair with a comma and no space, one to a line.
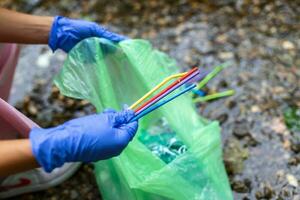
87,139
66,33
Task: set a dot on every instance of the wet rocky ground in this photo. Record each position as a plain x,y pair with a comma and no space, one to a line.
260,123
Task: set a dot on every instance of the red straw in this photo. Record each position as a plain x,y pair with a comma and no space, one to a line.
166,89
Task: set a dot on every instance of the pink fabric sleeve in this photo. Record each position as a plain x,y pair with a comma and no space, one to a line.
8,61
13,124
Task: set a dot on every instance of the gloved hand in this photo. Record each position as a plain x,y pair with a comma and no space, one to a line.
66,33
87,139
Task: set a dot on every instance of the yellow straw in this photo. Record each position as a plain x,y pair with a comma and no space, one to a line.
156,88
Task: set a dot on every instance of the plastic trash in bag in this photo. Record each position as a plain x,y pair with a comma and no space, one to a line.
162,141
176,153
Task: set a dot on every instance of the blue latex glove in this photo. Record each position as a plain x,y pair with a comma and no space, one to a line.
66,33
87,139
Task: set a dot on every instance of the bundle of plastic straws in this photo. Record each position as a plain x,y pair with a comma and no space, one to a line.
184,82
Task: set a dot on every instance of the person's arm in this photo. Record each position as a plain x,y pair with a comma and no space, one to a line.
86,139
58,32
16,156
23,28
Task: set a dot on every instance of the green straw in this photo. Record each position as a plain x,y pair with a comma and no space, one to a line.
214,96
212,74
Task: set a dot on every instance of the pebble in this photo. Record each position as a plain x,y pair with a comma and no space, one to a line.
44,59
295,145
294,161
225,55
278,125
241,186
241,128
288,45
255,109
222,118
265,193
74,194
234,156
292,180
222,38
286,144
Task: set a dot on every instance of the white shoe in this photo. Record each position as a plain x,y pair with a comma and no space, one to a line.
35,180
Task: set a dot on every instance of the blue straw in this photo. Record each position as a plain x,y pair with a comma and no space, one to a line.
200,93
159,104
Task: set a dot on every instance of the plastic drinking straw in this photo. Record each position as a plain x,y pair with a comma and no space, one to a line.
212,74
156,88
166,89
200,93
214,96
154,107
198,78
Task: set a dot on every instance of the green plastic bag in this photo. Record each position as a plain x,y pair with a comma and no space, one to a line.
110,75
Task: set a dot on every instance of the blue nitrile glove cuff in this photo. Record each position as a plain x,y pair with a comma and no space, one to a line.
52,41
45,147
87,139
66,33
